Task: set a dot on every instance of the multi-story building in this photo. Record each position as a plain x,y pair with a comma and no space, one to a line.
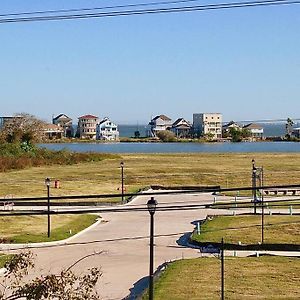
159,123
107,130
87,125
207,124
65,123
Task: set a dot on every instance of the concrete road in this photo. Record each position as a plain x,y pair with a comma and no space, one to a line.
124,240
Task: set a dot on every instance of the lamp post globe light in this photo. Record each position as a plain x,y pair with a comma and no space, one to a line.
151,204
47,183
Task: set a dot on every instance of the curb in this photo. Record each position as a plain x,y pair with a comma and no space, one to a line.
8,247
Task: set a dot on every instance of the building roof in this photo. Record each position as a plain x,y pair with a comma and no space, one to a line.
180,122
62,116
253,126
163,117
231,124
88,117
106,119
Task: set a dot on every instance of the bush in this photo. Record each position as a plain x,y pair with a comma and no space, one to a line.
20,156
166,136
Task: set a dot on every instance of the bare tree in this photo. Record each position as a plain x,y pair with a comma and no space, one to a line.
65,286
23,128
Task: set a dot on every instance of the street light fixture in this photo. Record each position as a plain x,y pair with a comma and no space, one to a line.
151,204
47,183
122,179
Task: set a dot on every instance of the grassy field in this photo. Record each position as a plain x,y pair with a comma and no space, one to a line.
194,279
247,230
227,170
29,229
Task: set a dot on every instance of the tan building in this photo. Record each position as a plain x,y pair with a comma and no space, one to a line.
64,122
87,125
208,123
53,131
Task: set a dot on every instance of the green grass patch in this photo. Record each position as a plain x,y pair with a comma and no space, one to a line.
4,258
247,229
245,278
33,229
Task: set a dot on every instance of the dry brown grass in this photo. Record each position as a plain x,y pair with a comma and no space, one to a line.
227,170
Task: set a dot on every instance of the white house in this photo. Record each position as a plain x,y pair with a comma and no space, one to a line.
226,128
107,130
256,130
159,123
208,123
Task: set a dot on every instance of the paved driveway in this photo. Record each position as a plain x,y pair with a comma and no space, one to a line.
124,239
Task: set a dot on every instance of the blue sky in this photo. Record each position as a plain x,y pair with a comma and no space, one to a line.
244,63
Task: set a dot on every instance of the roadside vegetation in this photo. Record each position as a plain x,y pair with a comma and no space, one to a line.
247,230
33,229
273,278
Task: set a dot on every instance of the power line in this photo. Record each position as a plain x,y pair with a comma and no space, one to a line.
207,189
181,9
143,208
97,8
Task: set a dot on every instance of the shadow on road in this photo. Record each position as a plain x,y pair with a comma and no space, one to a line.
138,288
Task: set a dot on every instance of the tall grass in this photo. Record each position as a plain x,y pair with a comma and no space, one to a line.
18,156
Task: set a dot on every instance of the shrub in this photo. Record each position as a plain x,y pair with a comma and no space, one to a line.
166,136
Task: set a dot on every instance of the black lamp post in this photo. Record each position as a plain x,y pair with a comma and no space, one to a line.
254,176
47,183
151,204
122,179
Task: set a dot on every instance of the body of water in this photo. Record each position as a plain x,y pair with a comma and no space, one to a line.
225,147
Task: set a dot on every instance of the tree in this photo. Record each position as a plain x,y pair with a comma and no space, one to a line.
166,136
65,286
237,135
23,128
289,127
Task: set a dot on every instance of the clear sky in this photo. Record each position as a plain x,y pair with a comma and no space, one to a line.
244,63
